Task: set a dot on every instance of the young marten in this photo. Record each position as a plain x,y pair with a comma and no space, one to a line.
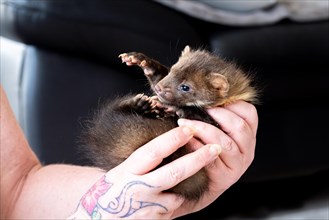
199,80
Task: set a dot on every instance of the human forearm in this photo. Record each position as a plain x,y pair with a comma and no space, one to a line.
29,190
54,191
17,159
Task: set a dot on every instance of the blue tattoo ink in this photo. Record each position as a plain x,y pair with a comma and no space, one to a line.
115,207
141,205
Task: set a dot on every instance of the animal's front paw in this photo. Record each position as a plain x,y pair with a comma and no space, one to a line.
143,103
148,65
162,110
133,58
139,59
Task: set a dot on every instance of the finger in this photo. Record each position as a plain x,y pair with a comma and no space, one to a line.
246,111
151,154
209,134
235,127
194,144
180,169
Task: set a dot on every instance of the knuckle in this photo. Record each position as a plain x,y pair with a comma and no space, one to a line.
252,110
235,152
241,125
202,157
212,165
227,143
175,174
253,114
176,137
152,153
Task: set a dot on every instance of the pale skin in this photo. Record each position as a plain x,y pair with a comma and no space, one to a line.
32,191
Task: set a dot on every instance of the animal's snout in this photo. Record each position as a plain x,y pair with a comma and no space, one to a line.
158,88
165,93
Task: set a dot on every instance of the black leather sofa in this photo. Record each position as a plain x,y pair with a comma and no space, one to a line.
71,65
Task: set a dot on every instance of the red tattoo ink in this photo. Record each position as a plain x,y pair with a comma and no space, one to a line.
90,199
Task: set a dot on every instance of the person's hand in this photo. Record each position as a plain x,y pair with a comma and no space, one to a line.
237,139
135,189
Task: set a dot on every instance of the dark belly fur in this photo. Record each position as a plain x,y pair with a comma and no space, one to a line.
113,134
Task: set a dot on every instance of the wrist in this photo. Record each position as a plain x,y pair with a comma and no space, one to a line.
79,214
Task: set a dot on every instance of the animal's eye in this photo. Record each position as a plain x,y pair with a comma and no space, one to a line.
185,88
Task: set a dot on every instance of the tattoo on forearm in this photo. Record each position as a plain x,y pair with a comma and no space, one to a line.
122,206
116,206
90,200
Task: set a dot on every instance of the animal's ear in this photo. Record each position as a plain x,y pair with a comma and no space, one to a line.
219,82
186,50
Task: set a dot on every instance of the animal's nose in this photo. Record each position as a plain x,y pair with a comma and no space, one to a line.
163,92
158,88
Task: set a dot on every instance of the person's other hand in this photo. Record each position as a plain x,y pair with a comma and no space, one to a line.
237,139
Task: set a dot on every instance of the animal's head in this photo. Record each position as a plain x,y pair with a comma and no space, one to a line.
194,81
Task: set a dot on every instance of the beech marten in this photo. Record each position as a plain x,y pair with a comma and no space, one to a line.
199,80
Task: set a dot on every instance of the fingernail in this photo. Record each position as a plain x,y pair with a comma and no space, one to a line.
182,122
215,149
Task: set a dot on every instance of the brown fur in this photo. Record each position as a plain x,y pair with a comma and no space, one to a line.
199,80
